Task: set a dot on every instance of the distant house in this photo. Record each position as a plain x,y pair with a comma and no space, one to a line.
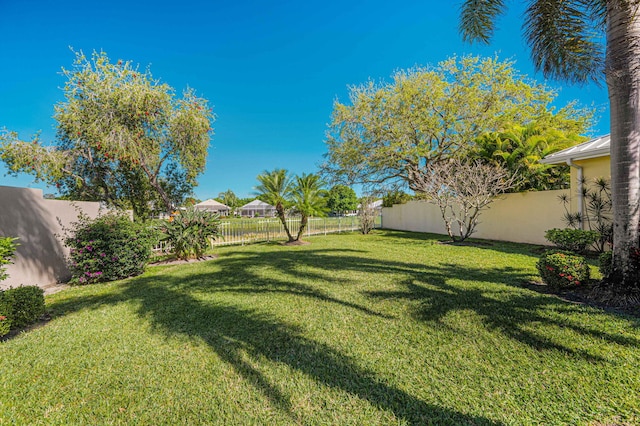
213,206
376,206
257,208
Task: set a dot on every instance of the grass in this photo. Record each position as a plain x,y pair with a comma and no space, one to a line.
390,328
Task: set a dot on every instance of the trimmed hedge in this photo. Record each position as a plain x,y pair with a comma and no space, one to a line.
20,307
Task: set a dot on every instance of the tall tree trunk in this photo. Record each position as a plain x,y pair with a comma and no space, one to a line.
623,81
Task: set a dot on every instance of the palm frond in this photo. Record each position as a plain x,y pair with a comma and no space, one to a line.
478,17
565,39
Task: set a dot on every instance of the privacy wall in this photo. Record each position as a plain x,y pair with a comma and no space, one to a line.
38,223
522,217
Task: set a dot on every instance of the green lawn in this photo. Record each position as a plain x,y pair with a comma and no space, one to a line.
390,328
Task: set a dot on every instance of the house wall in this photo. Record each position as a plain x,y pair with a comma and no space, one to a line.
522,217
592,168
39,224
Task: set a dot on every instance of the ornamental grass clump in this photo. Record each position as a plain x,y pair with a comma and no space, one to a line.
562,269
107,248
189,232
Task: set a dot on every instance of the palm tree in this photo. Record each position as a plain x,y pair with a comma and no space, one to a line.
520,149
309,199
230,199
563,36
275,188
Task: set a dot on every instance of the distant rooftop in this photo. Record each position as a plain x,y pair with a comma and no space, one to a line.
211,204
594,148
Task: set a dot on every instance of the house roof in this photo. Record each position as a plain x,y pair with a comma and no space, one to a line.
257,204
594,148
211,204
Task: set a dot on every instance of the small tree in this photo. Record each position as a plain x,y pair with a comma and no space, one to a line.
341,199
367,214
275,188
309,199
461,190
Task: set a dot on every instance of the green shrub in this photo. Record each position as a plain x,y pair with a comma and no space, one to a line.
5,315
189,232
605,263
107,248
575,240
395,197
26,305
562,269
7,249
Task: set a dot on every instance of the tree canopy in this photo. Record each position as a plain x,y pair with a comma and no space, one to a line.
390,131
122,138
341,199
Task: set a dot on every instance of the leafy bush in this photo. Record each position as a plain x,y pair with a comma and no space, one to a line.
605,263
7,249
562,269
574,240
107,248
597,208
189,232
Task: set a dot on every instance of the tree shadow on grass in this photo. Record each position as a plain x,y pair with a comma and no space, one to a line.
170,300
241,337
494,245
513,313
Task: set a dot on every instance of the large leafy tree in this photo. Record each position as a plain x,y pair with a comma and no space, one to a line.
565,39
122,137
390,132
341,199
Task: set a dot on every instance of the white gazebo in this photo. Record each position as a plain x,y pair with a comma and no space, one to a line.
213,206
257,208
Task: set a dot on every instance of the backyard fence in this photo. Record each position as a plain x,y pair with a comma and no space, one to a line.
247,231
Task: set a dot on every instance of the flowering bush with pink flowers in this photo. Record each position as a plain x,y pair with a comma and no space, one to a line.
563,269
107,248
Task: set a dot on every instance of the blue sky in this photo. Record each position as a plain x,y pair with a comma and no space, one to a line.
272,70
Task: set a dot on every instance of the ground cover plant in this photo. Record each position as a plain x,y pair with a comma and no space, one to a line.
385,328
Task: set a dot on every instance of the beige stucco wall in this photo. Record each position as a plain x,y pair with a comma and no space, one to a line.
38,223
522,217
592,168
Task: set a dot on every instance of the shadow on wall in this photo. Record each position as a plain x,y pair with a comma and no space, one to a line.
40,256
